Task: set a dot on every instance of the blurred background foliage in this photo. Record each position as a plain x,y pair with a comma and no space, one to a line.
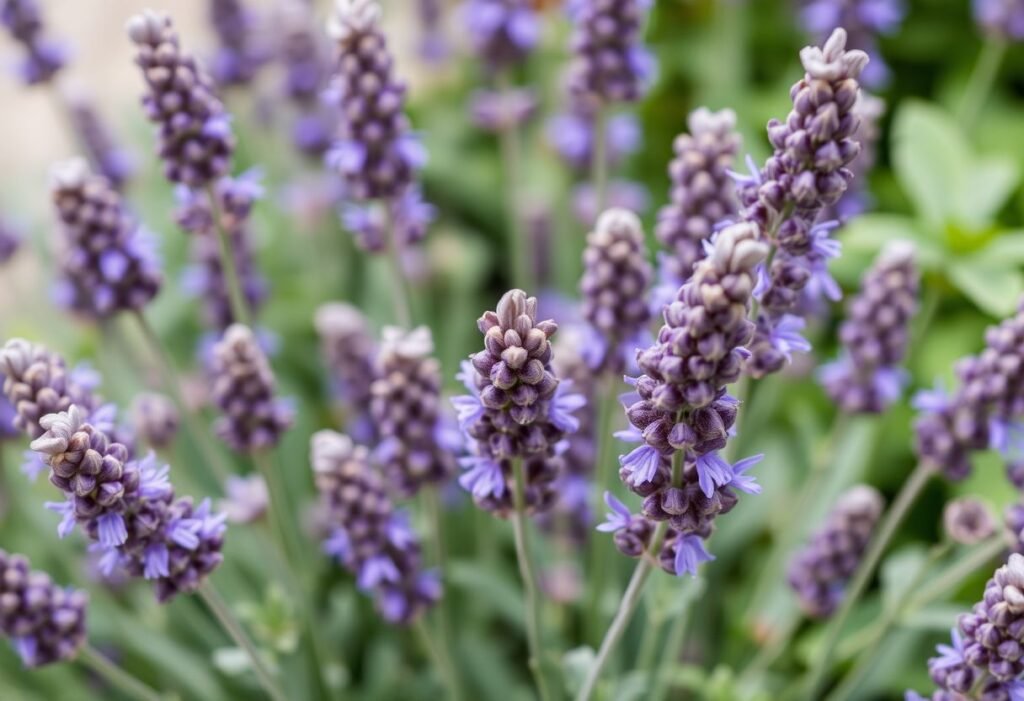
956,193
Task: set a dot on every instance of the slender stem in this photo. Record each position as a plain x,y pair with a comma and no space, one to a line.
530,588
237,633
599,161
600,547
115,676
172,385
957,573
236,296
510,145
432,500
401,297
439,656
670,651
627,606
982,79
894,517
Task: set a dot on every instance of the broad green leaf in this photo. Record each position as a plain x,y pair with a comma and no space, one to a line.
576,664
984,189
993,286
899,571
1008,249
871,232
936,618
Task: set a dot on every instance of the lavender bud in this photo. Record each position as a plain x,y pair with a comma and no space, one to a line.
967,521
819,572
238,57
107,157
307,67
702,192
45,622
348,351
502,32
108,263
155,419
194,136
43,57
864,21
609,63
252,418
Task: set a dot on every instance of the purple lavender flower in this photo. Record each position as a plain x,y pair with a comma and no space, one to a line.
409,214
43,57
44,622
194,132
609,63
571,134
306,64
108,263
990,395
701,193
106,156
204,278
10,240
433,46
868,378
406,408
502,32
238,56
155,419
246,499
864,21
367,535
967,521
375,153
622,194
348,351
1000,18
499,110
819,573
680,410
516,408
616,275
252,418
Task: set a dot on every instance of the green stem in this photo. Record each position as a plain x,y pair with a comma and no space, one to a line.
530,588
172,385
401,297
236,297
894,517
439,656
432,500
599,162
982,79
670,652
957,573
115,676
237,633
510,145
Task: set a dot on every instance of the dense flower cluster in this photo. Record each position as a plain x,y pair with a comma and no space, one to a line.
869,110
990,396
1001,18
869,377
107,262
205,277
502,32
43,57
819,573
516,410
702,194
985,655
44,622
408,215
105,155
405,403
348,351
155,419
806,173
252,417
238,56
367,535
128,507
306,71
616,276
375,153
864,21
680,412
194,132
609,63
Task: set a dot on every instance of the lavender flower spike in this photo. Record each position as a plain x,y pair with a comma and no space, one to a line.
864,21
44,622
868,378
1000,18
349,351
502,32
252,418
367,535
609,63
106,156
819,573
194,134
43,57
375,153
516,408
155,419
702,193
238,57
616,275
108,263
406,409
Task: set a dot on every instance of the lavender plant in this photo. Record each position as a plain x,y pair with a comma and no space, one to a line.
44,57
238,56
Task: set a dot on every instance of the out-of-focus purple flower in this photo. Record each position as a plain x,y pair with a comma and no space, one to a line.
819,573
864,21
106,156
246,499
609,64
516,408
10,240
967,521
45,623
868,377
366,534
571,134
621,194
306,62
43,56
433,45
252,417
501,32
499,110
1003,18
155,419
410,216
194,132
348,350
238,56
108,262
